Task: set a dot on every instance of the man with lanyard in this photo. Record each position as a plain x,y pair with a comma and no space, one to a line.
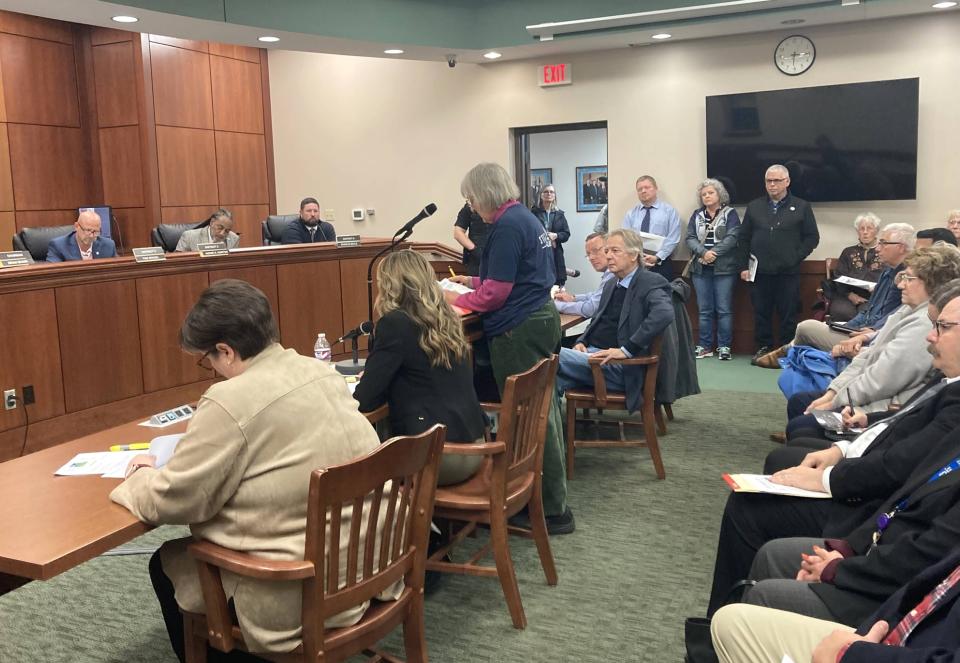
656,217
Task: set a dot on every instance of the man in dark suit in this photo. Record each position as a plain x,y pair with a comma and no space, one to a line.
892,456
309,227
635,307
920,622
84,243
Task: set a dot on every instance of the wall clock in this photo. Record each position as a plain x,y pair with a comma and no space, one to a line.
794,55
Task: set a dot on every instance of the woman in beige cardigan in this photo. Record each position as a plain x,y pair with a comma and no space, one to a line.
240,475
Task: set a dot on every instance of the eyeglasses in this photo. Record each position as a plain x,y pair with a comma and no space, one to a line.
885,242
943,325
203,358
903,276
771,180
89,231
549,193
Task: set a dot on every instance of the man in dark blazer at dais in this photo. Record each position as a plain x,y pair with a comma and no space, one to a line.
635,307
84,243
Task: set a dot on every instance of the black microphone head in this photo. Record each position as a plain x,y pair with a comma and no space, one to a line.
366,327
430,209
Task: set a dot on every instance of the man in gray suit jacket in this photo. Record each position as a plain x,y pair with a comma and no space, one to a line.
634,309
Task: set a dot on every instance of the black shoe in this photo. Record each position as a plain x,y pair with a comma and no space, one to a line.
562,524
764,349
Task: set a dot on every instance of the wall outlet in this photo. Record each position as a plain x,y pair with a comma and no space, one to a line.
9,399
371,211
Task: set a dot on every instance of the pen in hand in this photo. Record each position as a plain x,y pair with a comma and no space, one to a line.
452,273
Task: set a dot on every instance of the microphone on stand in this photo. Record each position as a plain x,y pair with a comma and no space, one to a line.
424,213
364,329
355,365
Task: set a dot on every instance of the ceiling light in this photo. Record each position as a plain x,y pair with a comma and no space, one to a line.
944,5
268,38
793,21
661,35
492,55
394,51
134,19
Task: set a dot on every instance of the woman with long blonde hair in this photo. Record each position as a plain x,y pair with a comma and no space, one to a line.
420,363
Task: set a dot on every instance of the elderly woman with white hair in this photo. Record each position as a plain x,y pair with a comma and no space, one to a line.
712,240
953,222
860,261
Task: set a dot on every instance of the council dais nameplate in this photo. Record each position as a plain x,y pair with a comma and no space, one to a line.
15,259
149,254
347,240
210,249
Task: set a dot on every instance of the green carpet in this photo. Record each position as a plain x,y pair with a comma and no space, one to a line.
640,561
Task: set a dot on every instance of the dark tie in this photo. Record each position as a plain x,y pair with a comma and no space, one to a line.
645,224
313,231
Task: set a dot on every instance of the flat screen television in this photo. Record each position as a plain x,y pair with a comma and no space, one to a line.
105,213
840,142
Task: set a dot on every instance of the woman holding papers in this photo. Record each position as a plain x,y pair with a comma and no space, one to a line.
512,296
712,240
420,363
860,261
240,475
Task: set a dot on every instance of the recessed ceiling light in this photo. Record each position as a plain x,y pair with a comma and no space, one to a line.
125,19
492,55
944,5
268,38
394,51
793,21
661,35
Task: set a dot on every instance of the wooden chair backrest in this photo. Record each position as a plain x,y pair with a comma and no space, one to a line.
522,428
398,480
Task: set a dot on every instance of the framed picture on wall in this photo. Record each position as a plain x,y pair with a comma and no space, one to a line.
539,178
591,188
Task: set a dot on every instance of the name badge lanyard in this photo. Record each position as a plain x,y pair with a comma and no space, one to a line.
883,520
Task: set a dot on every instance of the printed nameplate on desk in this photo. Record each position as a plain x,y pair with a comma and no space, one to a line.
347,240
149,254
15,259
208,249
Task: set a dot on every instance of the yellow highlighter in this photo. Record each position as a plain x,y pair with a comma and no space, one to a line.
136,446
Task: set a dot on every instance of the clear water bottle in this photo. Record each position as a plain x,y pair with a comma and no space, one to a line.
321,349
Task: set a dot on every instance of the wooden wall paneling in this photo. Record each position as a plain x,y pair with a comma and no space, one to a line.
8,227
247,220
100,353
120,166
187,162
30,354
235,51
6,177
134,224
189,44
163,302
241,168
182,95
268,133
61,217
264,278
310,302
50,168
116,84
35,26
146,119
52,432
83,53
3,103
237,97
194,214
11,443
39,81
100,36
353,275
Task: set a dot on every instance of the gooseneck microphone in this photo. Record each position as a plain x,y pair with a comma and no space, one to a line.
424,213
364,329
573,272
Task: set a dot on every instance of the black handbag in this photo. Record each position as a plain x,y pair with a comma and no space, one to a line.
696,630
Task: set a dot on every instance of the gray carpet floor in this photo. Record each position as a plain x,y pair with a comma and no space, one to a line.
640,560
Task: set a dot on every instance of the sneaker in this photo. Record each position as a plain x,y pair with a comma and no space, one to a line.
723,353
702,353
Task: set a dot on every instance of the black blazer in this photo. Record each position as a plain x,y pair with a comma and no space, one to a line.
296,233
647,311
559,225
935,639
399,373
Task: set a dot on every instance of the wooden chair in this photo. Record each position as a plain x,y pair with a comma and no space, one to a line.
601,399
509,480
411,465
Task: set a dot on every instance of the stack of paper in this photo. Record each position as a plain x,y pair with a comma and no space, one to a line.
113,464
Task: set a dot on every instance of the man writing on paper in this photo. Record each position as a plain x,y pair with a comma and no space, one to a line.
866,478
84,243
657,217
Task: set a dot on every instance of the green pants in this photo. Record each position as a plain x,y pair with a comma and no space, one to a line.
519,350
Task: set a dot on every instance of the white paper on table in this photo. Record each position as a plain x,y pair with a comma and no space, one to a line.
752,265
453,286
760,483
856,283
101,463
162,448
651,243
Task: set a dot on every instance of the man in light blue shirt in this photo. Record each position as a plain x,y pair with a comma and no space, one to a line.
586,305
652,215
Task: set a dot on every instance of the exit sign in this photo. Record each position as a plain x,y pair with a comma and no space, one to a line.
555,74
